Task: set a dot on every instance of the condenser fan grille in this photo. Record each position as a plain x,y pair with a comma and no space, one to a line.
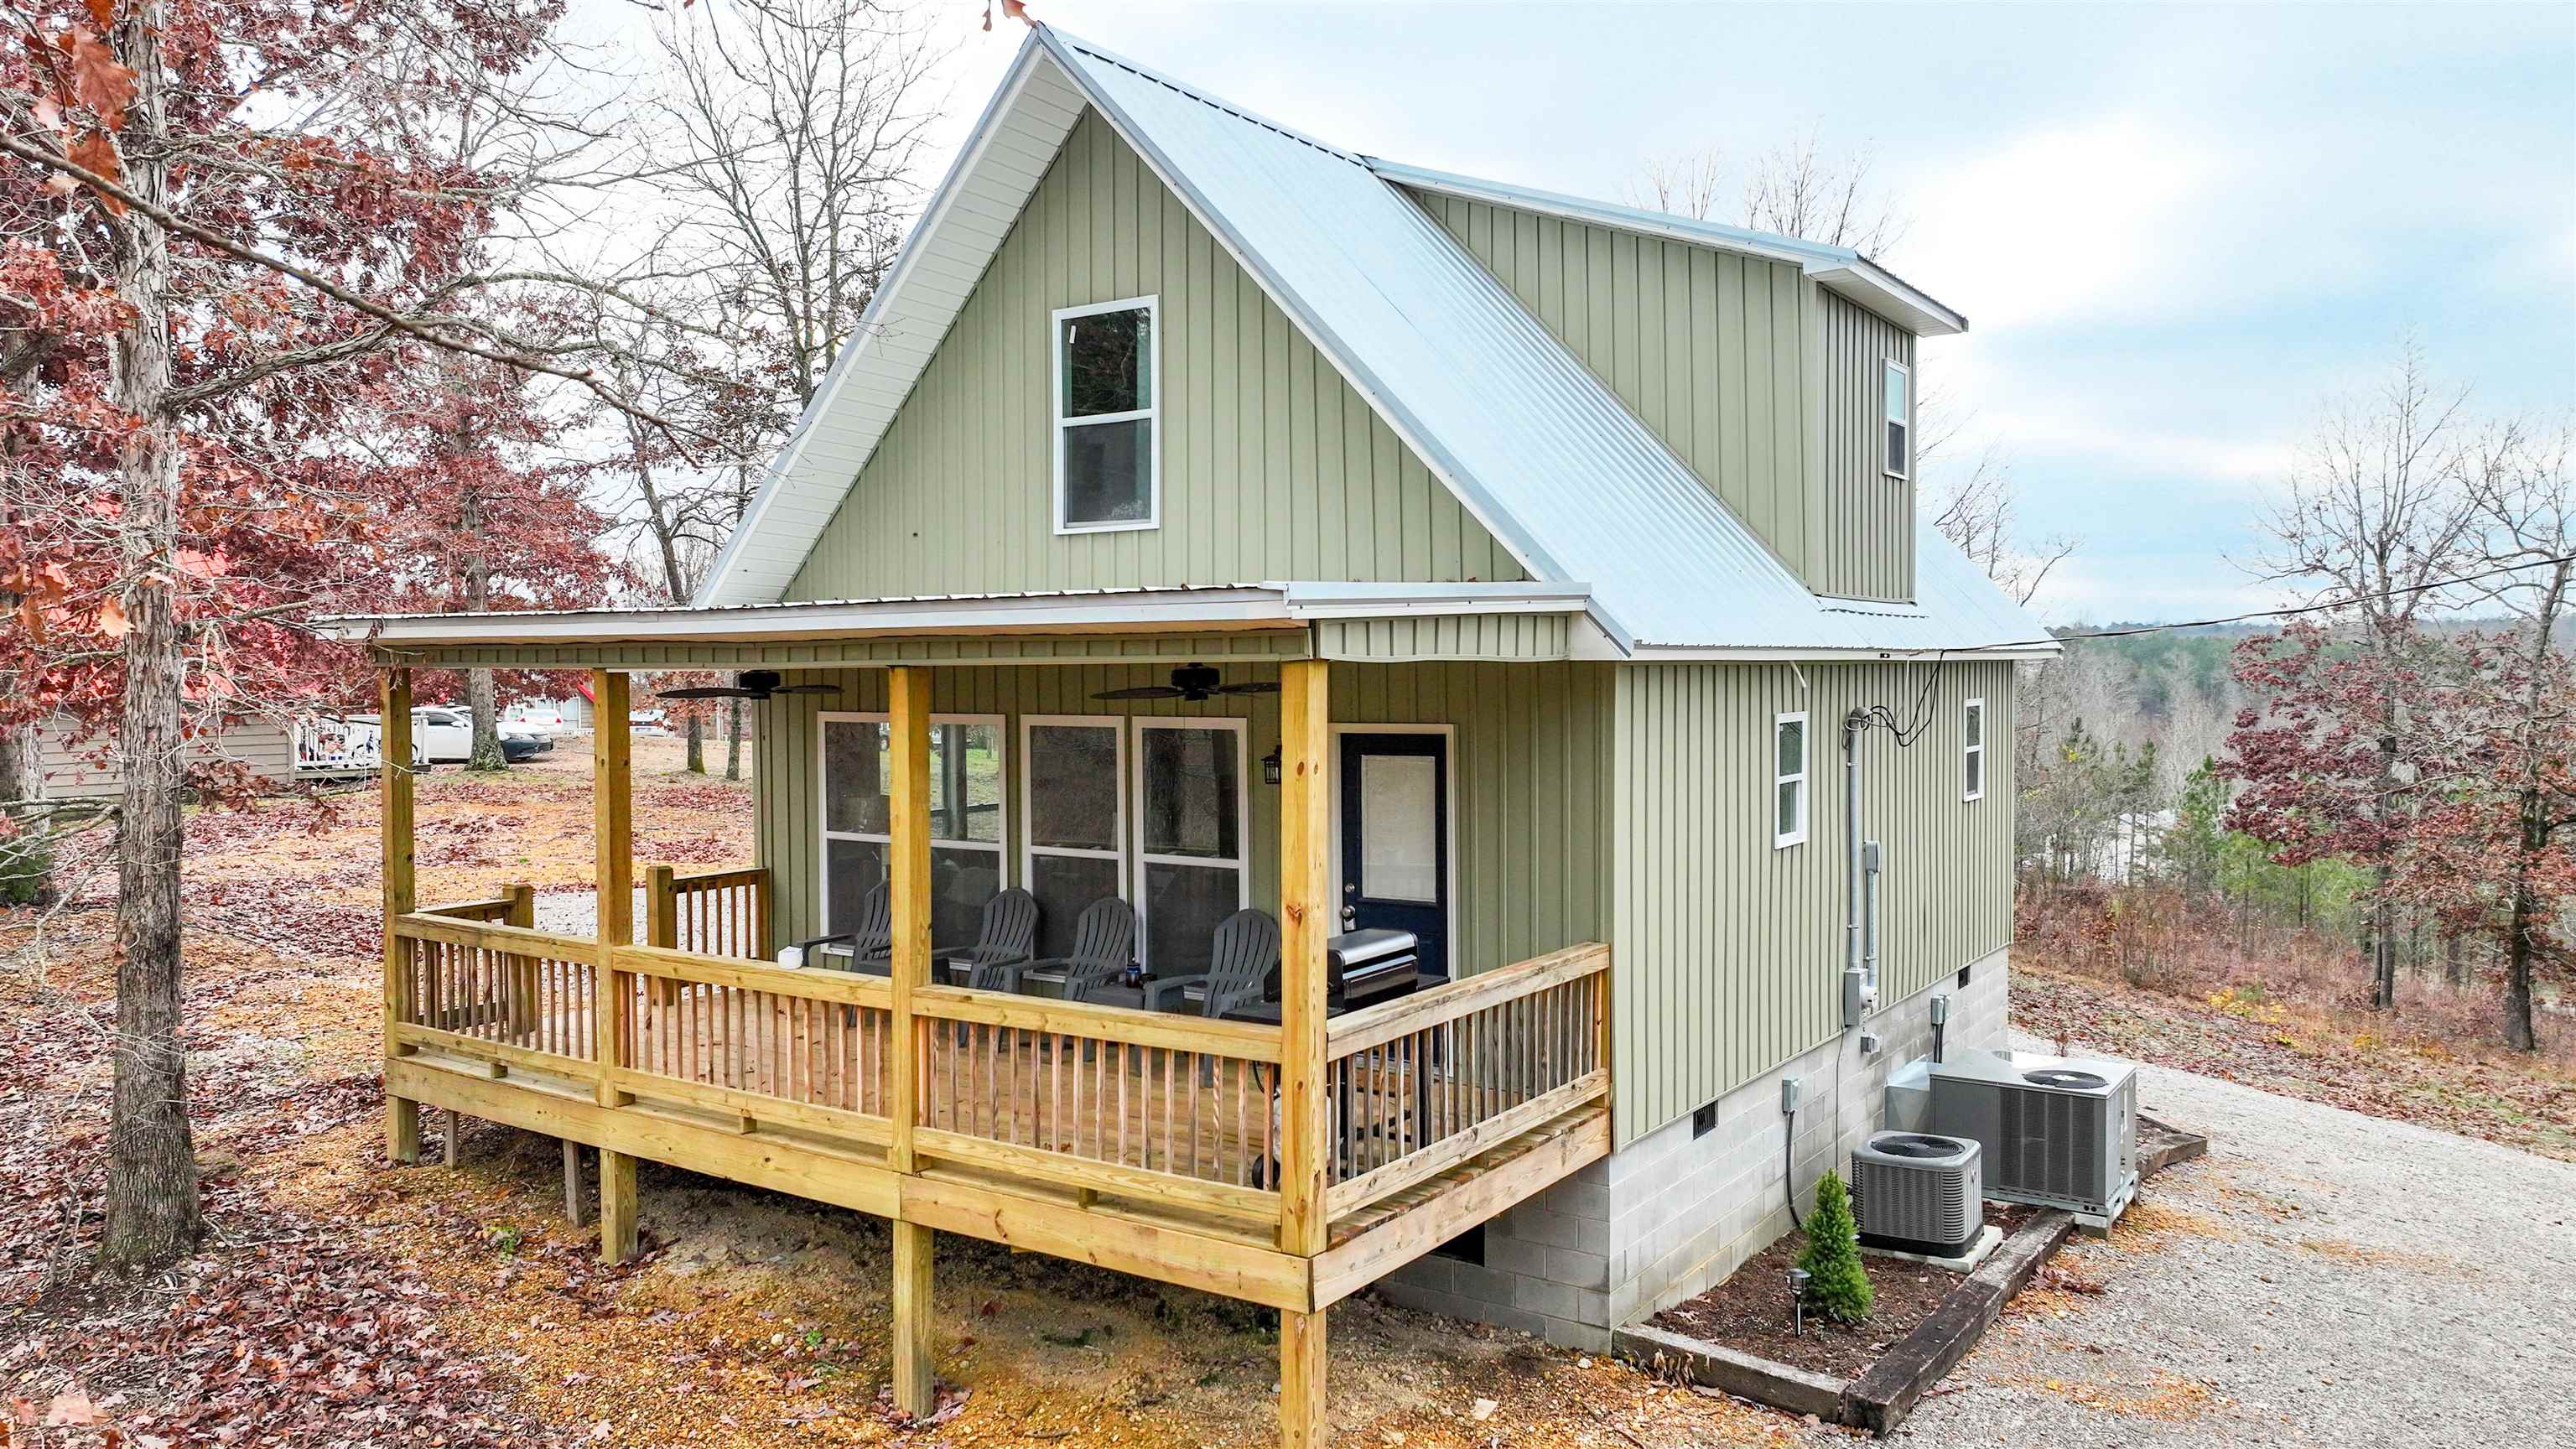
2066,1077
1916,1146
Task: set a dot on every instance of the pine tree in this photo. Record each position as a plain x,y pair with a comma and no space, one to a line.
1837,1284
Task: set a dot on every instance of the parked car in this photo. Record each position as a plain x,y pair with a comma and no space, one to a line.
542,720
442,735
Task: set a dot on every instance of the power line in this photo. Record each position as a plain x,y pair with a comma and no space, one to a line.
2324,608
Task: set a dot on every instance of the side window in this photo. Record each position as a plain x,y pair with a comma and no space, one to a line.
1108,462
1972,727
1900,420
1789,780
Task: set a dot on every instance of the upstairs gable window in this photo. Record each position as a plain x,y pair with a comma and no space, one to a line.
1789,779
1973,749
1900,420
1108,465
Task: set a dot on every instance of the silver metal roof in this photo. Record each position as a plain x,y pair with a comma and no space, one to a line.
1536,447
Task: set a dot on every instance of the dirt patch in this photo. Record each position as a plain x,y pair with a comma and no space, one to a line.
1750,1312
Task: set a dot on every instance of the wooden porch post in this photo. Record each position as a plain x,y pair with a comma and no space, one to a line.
908,885
393,777
1305,924
613,837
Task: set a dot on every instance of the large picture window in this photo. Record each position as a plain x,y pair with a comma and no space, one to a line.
1108,458
1191,871
967,823
1075,824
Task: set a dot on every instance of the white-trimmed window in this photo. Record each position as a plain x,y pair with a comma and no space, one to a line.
1074,818
967,817
1108,439
1789,779
1972,747
1192,822
1900,420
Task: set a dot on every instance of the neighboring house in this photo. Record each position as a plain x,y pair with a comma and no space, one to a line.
1585,528
310,746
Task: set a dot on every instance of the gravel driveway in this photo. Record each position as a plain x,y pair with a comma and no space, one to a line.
2321,1278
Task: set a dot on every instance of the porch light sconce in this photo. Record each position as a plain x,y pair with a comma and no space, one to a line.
1270,767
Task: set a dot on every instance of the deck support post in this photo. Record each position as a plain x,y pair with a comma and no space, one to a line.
1306,917
394,783
617,1207
662,923
613,838
525,984
574,1208
908,887
1303,1422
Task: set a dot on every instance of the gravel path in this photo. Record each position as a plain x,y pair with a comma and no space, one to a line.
2321,1278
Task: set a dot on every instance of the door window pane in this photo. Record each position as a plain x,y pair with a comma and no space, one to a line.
1065,886
1183,904
1073,786
1400,828
1109,472
1190,793
854,776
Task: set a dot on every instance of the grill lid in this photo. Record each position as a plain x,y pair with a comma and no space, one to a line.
2065,1077
1355,949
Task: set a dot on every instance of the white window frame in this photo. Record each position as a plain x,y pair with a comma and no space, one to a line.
1030,850
1972,749
823,720
1152,307
1890,365
1242,861
1803,777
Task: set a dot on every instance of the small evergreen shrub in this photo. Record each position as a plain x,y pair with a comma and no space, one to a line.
1837,1285
25,862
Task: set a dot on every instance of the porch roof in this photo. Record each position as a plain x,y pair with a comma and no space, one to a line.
1271,619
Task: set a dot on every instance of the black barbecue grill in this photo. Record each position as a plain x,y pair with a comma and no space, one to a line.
1367,967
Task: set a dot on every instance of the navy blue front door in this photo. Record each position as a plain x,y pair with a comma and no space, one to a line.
1395,838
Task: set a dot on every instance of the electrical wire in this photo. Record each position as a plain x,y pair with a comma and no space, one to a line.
2323,608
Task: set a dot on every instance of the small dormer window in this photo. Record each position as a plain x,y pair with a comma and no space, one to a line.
1900,420
1108,462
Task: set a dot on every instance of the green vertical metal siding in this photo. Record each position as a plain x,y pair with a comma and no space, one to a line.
1862,519
1728,951
1707,348
1448,636
1528,756
1272,467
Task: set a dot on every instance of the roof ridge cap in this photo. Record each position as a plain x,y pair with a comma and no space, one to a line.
1215,103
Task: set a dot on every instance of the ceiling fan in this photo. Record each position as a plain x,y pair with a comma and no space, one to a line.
749,684
1192,682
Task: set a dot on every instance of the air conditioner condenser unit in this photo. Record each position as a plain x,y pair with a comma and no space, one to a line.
1917,1193
2057,1131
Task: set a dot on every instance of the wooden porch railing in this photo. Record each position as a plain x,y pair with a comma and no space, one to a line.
713,913
1422,1083
1176,1110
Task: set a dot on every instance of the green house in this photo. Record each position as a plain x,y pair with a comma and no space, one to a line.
1206,519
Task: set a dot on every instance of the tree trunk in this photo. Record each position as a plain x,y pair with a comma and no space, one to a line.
696,734
2383,944
26,861
733,739
152,1210
480,699
2522,935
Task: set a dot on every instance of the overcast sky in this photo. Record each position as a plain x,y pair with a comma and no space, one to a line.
2175,230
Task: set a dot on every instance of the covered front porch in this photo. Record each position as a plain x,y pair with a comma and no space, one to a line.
1287,1152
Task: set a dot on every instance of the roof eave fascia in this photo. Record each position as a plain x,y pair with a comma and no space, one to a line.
1138,612
1868,285
773,478
1738,653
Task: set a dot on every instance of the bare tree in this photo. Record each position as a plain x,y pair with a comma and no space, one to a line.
1685,183
1822,198
1975,511
2374,518
2526,504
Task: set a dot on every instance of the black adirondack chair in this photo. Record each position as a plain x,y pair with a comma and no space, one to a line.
871,943
1104,945
1239,969
1007,935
